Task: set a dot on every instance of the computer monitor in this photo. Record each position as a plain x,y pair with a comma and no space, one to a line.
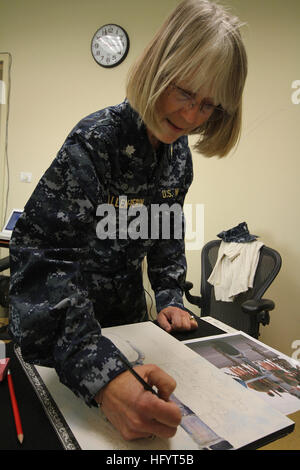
10,224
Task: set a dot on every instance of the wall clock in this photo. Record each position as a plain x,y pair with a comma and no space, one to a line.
110,45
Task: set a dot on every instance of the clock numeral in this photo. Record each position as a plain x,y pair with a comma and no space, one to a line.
106,31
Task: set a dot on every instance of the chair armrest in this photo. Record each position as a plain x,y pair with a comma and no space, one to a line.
256,306
4,263
193,299
188,286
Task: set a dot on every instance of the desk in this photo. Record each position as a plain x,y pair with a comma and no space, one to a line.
35,419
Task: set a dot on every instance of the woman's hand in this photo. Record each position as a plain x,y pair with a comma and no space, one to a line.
137,413
176,319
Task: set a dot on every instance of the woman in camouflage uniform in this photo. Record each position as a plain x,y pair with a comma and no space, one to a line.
69,276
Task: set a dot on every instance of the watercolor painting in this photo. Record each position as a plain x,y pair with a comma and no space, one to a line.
266,372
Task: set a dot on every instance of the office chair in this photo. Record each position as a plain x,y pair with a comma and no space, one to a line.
249,309
4,282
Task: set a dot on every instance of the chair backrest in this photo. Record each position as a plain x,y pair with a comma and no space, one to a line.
230,312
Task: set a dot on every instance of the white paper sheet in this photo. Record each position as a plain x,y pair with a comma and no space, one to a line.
229,410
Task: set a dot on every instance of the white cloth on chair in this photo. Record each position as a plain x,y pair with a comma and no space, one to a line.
235,269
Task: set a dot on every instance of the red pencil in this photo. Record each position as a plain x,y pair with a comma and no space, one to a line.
15,408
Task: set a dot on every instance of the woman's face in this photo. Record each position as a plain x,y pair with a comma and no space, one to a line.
180,112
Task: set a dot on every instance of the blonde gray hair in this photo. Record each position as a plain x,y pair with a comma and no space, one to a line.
199,43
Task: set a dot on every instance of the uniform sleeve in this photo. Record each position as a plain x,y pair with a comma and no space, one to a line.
166,260
51,316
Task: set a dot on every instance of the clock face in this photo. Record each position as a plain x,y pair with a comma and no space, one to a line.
110,45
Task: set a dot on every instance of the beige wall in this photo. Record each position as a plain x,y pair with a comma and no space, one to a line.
55,82
259,183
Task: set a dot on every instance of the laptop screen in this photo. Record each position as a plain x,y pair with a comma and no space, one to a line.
12,220
10,224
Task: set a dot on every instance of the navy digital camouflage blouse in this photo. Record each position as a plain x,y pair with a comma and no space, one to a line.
66,282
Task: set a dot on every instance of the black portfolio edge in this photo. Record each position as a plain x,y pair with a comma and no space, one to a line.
56,418
269,438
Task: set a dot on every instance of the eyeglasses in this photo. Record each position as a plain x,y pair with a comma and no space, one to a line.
206,109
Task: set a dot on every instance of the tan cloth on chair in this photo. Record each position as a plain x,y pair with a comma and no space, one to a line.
235,269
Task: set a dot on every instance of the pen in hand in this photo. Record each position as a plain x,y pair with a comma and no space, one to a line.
127,364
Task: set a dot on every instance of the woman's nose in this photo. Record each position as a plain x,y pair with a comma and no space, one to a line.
191,115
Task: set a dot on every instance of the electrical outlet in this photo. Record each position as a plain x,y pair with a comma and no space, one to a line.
25,177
